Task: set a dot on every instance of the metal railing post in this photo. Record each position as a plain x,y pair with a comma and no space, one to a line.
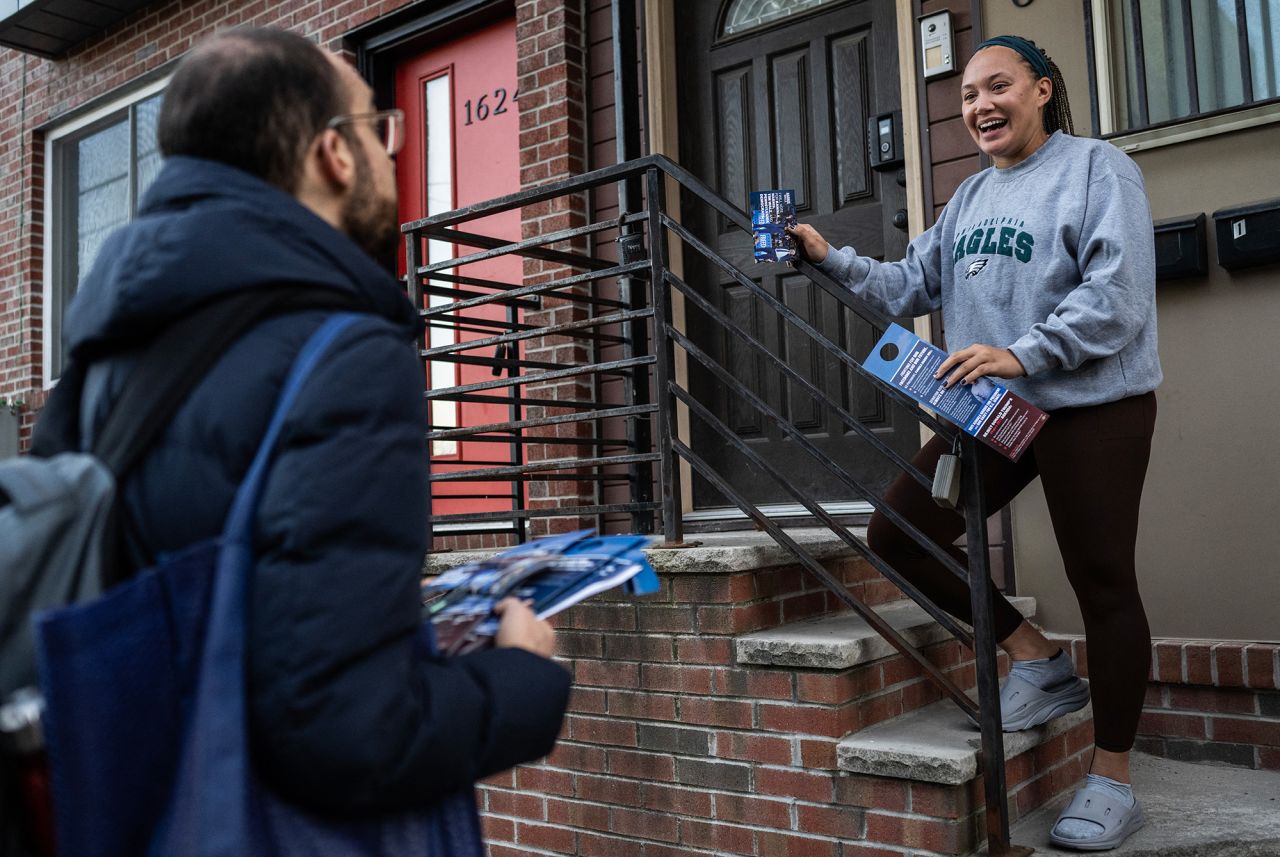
984,653
413,289
664,351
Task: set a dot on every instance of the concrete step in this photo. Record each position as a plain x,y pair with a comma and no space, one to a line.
708,553
1192,810
844,640
938,744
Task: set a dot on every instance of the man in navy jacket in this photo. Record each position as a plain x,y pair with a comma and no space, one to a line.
276,173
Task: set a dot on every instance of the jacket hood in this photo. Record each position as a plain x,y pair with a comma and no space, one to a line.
204,230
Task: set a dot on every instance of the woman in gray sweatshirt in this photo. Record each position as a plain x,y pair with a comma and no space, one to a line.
1044,268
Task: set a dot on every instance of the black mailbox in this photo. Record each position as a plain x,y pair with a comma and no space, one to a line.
1181,247
1248,235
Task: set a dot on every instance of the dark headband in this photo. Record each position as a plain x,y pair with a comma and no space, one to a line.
1025,49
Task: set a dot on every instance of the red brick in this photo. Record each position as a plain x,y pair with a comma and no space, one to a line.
544,780
816,754
644,766
577,757
940,801
594,845
515,803
738,619
1262,668
753,747
1172,725
789,782
927,833
640,824
1234,730
1213,700
643,706
749,809
756,683
586,700
1199,660
658,849
838,687
680,801
810,719
840,822
679,678
791,845
720,838
607,789
704,650
1269,758
578,814
775,582
496,829
872,792
633,647
1167,662
559,839
599,730
505,780
705,711
1229,660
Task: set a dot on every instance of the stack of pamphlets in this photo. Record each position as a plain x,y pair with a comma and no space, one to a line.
549,574
771,212
1002,420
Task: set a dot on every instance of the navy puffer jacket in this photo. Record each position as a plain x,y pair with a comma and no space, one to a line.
347,713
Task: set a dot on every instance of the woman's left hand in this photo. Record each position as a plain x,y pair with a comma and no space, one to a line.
973,362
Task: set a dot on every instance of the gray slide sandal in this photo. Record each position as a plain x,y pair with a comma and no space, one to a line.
1116,819
1023,705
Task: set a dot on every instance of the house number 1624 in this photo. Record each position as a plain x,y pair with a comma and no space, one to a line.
481,110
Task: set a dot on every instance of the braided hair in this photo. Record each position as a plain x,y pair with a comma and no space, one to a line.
1057,113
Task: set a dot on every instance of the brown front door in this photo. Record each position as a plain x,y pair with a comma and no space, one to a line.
785,105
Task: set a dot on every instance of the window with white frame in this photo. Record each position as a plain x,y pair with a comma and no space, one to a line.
98,166
1161,64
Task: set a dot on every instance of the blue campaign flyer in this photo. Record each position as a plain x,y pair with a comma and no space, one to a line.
771,212
1003,420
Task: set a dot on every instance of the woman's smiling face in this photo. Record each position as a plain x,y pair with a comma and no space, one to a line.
1003,103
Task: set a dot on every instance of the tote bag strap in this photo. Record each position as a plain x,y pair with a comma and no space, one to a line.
216,753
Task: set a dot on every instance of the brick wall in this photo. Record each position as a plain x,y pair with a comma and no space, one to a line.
672,748
550,44
1209,701
34,92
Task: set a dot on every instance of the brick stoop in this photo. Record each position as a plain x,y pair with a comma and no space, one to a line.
1207,701
684,740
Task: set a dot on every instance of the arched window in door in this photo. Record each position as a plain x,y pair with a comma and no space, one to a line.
744,15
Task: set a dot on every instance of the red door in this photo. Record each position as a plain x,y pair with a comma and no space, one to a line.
462,147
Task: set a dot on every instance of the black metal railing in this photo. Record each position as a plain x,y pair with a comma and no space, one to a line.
613,318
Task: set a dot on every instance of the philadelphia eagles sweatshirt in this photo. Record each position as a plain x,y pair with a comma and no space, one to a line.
1052,258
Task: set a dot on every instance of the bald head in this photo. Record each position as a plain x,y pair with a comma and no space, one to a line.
253,99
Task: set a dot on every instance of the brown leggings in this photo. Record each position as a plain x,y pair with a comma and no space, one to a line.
1092,462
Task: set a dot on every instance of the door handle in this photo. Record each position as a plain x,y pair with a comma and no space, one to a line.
900,218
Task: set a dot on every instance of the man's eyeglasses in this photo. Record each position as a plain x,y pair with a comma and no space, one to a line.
387,124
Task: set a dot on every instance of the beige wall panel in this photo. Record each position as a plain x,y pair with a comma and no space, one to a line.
1209,543
1058,27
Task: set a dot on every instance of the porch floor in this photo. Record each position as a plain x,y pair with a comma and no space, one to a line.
1192,809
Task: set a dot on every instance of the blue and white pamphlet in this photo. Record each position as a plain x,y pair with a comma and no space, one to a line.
771,212
550,574
1002,420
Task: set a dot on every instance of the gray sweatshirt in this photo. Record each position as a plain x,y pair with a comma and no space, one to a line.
1053,258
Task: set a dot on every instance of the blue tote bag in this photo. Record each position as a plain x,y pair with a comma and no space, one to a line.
146,723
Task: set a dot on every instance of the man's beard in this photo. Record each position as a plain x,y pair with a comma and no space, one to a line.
370,220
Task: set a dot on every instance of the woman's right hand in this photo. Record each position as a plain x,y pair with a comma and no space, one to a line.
519,628
810,243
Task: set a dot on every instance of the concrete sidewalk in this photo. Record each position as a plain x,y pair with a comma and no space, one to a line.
1191,809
